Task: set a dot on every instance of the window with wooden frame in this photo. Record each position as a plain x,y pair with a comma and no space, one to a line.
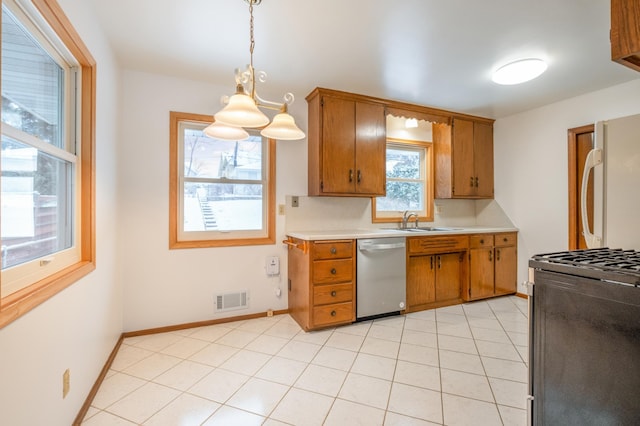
47,183
222,193
409,182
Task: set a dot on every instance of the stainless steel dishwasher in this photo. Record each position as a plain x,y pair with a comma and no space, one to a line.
381,277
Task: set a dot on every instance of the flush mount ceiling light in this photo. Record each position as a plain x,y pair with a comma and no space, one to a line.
519,71
242,108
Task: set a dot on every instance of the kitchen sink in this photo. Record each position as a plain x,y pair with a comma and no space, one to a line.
427,229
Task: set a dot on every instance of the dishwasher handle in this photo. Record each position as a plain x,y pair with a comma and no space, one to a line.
379,246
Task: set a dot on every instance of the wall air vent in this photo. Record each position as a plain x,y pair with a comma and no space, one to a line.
232,301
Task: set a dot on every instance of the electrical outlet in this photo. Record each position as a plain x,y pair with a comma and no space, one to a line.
270,313
66,382
294,201
281,209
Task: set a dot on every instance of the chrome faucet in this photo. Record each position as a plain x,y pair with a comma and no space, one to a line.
406,216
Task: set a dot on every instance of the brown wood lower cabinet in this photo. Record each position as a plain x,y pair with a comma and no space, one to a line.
436,268
321,282
492,265
441,270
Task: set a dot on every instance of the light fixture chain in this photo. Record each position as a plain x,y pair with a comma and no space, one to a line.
252,41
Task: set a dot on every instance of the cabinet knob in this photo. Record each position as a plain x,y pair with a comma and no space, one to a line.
333,313
333,271
505,239
333,250
333,293
481,241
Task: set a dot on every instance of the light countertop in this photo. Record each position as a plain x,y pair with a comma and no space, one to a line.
347,234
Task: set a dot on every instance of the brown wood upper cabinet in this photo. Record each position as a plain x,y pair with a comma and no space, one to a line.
464,159
625,33
347,145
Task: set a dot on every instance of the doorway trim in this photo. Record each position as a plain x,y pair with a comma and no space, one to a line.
573,182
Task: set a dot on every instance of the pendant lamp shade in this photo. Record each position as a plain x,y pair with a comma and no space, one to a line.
225,132
283,127
241,111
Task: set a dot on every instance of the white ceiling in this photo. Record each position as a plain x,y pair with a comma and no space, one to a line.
439,53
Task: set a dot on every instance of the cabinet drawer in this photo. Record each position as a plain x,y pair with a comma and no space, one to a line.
324,294
427,245
481,240
332,271
332,249
506,239
333,314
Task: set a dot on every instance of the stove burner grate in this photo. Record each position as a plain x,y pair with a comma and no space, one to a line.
603,263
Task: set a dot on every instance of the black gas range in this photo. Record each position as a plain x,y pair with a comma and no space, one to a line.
584,338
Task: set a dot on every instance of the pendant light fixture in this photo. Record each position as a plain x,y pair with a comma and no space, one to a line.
242,108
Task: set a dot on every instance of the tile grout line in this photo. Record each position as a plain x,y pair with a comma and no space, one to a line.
493,395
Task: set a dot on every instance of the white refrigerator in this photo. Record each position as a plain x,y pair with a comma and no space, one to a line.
615,164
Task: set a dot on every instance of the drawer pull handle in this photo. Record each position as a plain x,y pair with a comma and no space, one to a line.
471,181
333,271
333,293
333,313
333,250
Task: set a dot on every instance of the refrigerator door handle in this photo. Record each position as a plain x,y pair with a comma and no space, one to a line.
530,410
594,158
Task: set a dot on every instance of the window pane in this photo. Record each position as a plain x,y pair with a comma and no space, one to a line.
213,158
37,213
32,84
403,163
222,207
402,196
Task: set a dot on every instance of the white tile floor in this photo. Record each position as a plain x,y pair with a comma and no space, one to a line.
459,365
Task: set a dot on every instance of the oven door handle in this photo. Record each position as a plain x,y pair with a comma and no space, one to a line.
379,247
594,158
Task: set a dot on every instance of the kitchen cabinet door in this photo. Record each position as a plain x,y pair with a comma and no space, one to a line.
505,270
483,159
447,267
463,164
338,145
420,281
370,149
481,273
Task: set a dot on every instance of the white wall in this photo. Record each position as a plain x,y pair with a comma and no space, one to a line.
531,178
167,287
77,328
